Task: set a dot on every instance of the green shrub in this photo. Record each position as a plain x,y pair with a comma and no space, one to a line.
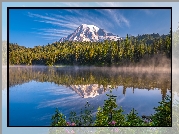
109,115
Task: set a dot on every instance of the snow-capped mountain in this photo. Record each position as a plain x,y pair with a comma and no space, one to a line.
90,33
90,90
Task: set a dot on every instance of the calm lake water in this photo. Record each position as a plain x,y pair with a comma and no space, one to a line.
36,91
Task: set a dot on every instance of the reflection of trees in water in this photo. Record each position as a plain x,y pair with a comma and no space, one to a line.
75,76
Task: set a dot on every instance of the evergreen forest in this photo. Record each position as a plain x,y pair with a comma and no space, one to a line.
118,53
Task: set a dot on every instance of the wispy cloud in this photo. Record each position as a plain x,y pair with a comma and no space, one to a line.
51,34
66,24
53,20
117,17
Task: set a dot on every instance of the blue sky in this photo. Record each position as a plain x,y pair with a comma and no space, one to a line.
33,27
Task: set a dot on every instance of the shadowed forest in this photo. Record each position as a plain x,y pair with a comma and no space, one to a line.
126,52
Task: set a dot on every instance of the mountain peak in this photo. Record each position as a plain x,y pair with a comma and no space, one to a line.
92,33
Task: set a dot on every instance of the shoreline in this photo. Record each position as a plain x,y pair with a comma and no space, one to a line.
112,69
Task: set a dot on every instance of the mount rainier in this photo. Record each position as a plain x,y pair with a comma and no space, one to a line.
90,33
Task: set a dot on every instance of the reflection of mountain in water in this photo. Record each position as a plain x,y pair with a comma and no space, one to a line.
85,81
86,91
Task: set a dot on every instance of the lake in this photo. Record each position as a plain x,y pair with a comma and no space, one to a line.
36,91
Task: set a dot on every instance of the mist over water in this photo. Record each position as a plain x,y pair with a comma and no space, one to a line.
67,87
139,85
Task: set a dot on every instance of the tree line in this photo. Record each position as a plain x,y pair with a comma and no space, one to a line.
121,52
